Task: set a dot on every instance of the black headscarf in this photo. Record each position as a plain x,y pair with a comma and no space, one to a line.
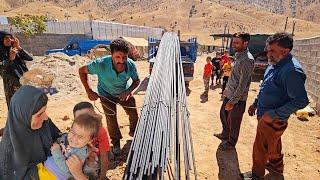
22,148
2,35
17,67
4,50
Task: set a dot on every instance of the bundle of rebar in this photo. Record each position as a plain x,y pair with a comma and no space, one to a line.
162,145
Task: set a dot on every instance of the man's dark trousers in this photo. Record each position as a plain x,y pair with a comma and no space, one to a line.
231,121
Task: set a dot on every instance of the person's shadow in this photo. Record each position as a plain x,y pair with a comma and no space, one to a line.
228,164
115,161
188,91
142,86
213,87
203,98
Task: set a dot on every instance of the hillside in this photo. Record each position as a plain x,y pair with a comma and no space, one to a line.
306,9
209,17
192,17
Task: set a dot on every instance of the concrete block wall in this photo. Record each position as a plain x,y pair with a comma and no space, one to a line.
307,52
38,44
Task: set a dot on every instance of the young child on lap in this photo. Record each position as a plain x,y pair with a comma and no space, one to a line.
82,132
96,164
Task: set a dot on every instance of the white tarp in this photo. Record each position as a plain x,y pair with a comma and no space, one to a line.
99,29
3,20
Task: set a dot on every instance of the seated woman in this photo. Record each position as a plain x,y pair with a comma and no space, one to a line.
27,137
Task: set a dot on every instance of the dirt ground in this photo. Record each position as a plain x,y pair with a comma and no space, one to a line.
301,140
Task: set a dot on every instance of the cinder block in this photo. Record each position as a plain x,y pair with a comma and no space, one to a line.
317,54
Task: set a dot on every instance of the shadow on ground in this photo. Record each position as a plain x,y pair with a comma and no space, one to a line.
142,87
228,164
115,161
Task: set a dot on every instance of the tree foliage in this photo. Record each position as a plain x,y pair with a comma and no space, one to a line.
29,24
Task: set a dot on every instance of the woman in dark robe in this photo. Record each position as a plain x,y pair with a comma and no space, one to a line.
12,63
28,137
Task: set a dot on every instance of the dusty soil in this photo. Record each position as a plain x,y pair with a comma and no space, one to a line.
301,141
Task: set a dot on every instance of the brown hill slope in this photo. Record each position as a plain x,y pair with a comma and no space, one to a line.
306,9
209,17
194,17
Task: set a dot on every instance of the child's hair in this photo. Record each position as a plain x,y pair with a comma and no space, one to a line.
82,105
89,122
209,57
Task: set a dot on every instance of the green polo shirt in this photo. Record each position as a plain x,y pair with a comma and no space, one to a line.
110,82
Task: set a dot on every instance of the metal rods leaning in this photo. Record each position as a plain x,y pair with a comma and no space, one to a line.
162,145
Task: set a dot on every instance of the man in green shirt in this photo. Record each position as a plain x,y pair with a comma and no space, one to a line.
114,73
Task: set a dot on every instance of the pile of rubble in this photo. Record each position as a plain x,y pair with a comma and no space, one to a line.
62,70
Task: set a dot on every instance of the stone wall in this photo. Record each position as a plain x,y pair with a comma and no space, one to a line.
38,44
307,52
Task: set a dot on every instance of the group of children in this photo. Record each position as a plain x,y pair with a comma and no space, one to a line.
87,139
219,66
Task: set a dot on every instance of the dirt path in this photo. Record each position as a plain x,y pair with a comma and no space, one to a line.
301,141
